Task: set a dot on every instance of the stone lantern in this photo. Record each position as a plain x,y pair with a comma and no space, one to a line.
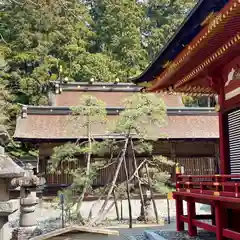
28,200
8,170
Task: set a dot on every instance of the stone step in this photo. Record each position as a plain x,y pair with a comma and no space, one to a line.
150,235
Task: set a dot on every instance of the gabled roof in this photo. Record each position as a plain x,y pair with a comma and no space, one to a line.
56,124
113,94
188,30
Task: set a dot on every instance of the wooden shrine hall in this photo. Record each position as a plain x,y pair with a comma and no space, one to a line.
49,126
203,57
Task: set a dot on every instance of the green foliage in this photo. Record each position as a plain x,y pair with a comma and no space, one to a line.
89,111
66,152
143,146
164,17
159,171
141,112
190,101
118,32
105,148
103,40
194,101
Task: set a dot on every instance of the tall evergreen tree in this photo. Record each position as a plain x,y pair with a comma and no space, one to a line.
163,18
118,32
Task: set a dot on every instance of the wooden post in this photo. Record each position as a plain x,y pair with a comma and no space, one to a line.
179,213
173,158
128,193
219,221
116,205
224,163
138,180
179,203
213,215
152,195
191,211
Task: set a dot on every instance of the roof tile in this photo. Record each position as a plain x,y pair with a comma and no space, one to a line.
61,127
112,99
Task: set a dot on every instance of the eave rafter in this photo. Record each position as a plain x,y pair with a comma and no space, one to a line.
215,24
188,90
218,54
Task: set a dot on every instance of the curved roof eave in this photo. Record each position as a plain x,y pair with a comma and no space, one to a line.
189,28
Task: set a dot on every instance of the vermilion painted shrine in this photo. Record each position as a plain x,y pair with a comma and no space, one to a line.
204,58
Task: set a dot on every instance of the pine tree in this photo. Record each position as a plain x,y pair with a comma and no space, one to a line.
89,112
142,111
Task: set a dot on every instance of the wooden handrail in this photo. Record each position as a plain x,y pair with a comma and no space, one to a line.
224,176
214,184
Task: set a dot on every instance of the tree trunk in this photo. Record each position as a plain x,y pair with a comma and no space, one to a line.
128,194
112,186
81,198
151,190
139,183
116,206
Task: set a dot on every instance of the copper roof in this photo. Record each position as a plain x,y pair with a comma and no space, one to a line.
60,126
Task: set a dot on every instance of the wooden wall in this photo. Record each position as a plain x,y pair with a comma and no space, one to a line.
197,157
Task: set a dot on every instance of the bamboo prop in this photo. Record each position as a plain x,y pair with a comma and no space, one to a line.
121,210
138,179
103,192
116,205
113,183
128,193
151,191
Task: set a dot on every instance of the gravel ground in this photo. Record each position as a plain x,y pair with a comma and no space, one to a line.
49,215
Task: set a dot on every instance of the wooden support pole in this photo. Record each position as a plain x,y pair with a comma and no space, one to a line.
213,215
224,161
191,214
128,193
116,205
179,213
219,221
138,180
152,194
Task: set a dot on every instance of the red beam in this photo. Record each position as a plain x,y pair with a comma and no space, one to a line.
222,176
209,192
184,219
207,197
231,234
204,225
214,184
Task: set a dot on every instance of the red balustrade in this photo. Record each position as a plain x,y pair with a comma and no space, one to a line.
215,190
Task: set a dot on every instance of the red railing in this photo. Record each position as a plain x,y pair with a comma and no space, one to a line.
215,185
216,190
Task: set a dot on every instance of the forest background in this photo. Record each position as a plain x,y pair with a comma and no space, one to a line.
100,39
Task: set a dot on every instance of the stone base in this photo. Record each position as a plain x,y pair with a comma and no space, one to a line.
24,233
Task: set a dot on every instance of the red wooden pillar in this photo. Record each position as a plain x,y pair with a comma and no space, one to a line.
213,215
220,219
224,165
191,214
179,213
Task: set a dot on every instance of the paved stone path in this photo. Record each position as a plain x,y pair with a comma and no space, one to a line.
47,210
48,214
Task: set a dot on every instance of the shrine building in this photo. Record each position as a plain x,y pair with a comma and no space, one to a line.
203,58
189,138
